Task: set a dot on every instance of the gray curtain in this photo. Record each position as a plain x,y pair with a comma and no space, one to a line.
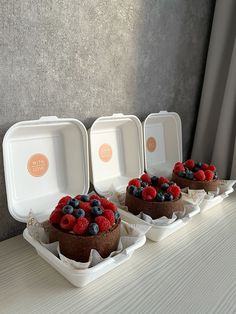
215,136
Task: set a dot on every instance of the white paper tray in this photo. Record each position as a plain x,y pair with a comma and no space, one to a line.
158,233
81,277
209,203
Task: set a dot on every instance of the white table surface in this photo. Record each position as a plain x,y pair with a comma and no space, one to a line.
191,271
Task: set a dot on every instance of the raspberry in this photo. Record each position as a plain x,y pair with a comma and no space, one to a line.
111,206
190,163
212,168
174,190
67,222
145,178
77,197
85,206
64,200
199,175
162,180
81,226
109,214
104,202
55,217
135,182
59,207
177,164
204,167
178,168
209,175
103,223
149,193
94,197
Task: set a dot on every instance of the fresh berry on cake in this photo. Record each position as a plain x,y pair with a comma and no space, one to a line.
195,175
156,197
83,223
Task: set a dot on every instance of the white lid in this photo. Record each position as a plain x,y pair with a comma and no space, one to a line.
162,142
116,150
44,160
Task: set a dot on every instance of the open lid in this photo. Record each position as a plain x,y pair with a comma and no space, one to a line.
162,142
44,160
116,151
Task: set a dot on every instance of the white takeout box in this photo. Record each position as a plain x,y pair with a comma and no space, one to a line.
122,136
44,160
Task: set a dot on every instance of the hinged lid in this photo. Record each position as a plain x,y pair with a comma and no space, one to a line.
116,145
44,160
162,142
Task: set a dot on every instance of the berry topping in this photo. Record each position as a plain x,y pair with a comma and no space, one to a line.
138,192
117,216
67,222
132,189
79,212
84,198
59,207
154,180
212,168
174,190
85,206
94,197
189,164
199,175
103,223
163,180
164,186
95,203
168,197
55,217
81,226
134,182
196,169
160,197
182,174
68,209
144,184
109,214
209,175
64,200
73,202
111,206
93,228
216,175
77,197
190,175
149,193
105,203
204,167
145,178
198,164
178,168
96,211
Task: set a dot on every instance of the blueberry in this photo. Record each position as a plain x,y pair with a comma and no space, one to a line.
198,164
215,176
144,184
182,174
117,216
171,182
190,175
73,202
154,180
68,209
168,197
195,169
138,192
95,203
160,197
132,189
96,211
93,228
164,186
84,198
79,212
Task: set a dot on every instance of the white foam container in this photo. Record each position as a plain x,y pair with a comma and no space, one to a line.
44,160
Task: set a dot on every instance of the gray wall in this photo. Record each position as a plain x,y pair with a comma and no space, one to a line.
87,58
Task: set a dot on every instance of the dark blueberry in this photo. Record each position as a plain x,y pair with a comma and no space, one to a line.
84,198
138,192
198,164
171,182
93,228
95,203
168,197
215,176
186,169
96,211
190,175
132,189
117,216
68,209
182,174
144,184
79,212
73,202
160,197
164,186
154,180
195,169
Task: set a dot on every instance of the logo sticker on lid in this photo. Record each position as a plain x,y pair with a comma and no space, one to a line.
37,165
151,144
105,152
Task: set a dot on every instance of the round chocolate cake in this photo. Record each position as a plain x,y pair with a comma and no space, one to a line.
84,223
156,197
196,176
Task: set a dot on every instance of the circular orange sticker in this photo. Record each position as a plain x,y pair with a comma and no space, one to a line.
151,144
105,152
37,165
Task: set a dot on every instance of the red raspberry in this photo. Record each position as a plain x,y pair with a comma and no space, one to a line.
177,164
55,217
174,190
209,175
103,223
94,197
104,202
146,178
59,207
67,222
190,163
163,180
212,168
179,168
81,226
64,200
85,206
149,193
204,167
135,182
199,175
111,206
77,197
89,217
109,214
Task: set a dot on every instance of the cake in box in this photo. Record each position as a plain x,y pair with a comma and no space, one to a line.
83,223
156,197
196,176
